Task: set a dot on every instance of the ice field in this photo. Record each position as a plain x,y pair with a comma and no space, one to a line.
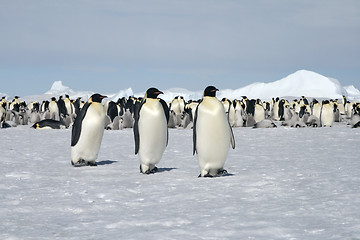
283,183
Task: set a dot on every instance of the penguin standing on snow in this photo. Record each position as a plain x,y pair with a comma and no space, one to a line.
212,135
327,116
355,120
54,110
150,130
87,132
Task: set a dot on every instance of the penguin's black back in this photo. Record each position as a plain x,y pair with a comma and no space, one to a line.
112,111
54,124
76,129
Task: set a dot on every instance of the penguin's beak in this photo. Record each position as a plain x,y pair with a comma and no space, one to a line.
159,92
215,90
103,97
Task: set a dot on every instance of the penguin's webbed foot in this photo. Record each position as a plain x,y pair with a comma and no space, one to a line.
152,171
222,172
92,164
206,175
82,163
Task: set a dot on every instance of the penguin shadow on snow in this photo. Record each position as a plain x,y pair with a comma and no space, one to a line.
165,169
105,162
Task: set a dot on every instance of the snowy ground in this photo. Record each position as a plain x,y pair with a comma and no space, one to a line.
286,184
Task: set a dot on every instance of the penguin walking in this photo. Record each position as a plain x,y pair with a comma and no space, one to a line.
150,130
212,135
87,132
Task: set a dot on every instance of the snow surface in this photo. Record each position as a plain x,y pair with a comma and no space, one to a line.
301,83
284,183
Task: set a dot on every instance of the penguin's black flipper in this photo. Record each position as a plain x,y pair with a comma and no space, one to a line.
194,128
166,110
232,138
76,128
167,115
136,125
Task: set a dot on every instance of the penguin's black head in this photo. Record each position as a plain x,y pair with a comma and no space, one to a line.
53,99
210,91
97,98
153,93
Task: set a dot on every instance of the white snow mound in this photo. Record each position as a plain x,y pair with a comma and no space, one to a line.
300,83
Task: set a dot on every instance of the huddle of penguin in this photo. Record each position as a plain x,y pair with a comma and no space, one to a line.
13,113
212,133
303,113
54,114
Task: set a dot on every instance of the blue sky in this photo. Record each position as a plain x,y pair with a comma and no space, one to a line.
106,46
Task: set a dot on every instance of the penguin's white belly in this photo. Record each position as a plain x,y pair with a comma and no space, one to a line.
153,134
212,137
259,113
276,111
327,116
54,111
317,111
92,131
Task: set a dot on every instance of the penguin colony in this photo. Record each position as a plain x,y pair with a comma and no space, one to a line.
150,117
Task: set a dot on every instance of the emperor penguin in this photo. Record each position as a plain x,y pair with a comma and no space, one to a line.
150,130
275,109
2,115
15,104
175,105
229,110
69,105
54,110
62,107
355,119
212,135
327,116
259,111
49,124
316,108
348,108
87,132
